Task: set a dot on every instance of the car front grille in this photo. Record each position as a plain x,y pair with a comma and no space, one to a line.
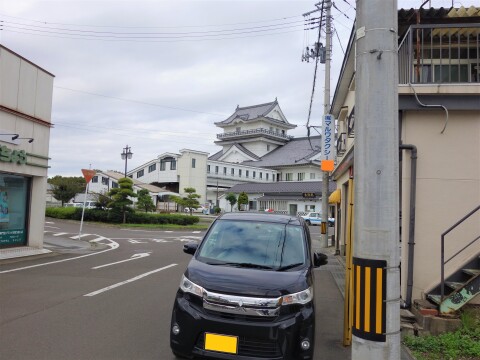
250,347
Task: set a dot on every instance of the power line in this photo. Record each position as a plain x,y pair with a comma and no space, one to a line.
138,102
143,37
151,27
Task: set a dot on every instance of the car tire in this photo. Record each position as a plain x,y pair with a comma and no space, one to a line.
178,355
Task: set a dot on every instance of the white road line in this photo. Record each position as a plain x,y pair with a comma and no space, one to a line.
133,241
113,245
79,236
59,234
53,227
128,281
49,222
100,238
134,257
196,232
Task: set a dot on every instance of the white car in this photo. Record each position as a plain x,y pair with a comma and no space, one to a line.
315,218
200,209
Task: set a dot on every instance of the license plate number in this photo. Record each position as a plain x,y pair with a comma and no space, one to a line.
221,343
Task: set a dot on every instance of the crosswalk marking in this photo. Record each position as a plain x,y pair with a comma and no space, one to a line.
59,234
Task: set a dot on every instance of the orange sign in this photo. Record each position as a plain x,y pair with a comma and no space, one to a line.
88,174
327,165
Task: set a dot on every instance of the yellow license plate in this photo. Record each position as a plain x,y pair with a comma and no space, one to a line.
222,343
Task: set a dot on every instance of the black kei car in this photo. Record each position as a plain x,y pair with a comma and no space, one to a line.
248,291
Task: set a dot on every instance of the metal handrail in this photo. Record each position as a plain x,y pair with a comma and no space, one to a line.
442,284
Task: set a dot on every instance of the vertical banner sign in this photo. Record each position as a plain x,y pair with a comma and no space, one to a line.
369,296
328,143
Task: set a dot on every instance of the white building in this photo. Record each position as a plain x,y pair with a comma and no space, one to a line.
25,121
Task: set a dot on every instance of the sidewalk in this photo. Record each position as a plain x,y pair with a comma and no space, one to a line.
332,316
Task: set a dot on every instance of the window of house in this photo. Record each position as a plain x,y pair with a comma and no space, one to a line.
240,172
266,176
261,175
247,173
312,176
193,163
253,174
309,208
283,132
288,176
140,173
114,184
104,180
233,171
300,176
152,167
216,169
130,176
224,171
173,164
95,179
208,169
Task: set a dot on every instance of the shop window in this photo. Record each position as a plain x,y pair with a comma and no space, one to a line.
13,210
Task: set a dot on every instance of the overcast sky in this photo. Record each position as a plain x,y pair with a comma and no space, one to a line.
156,75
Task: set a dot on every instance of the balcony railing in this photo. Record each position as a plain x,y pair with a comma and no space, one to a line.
253,132
341,144
351,124
436,54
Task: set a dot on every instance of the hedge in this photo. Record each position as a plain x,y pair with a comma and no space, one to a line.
106,216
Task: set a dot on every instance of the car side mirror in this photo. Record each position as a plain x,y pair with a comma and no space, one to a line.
319,259
190,248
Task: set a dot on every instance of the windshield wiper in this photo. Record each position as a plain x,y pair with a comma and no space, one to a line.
291,266
243,265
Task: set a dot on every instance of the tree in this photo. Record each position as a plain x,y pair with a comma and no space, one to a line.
242,199
65,188
121,197
190,201
232,199
144,201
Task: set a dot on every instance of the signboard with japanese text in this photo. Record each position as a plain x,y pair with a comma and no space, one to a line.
328,143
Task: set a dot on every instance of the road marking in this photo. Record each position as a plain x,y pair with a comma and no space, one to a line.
134,257
136,241
128,281
58,234
49,222
160,241
76,237
100,238
53,227
196,232
113,245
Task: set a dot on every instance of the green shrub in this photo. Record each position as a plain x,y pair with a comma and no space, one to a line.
113,217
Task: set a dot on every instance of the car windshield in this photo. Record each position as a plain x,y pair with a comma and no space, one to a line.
259,245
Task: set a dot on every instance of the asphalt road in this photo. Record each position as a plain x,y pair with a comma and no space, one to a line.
113,300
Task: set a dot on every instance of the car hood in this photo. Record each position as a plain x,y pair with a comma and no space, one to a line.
248,282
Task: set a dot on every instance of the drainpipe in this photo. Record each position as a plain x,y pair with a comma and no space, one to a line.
411,229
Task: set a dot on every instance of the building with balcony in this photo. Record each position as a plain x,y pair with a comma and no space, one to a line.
439,132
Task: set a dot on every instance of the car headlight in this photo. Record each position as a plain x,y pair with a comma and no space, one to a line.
302,297
190,287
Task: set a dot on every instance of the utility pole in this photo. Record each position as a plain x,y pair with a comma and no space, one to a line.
376,261
326,109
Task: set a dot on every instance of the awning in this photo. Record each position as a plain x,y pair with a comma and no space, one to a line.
334,197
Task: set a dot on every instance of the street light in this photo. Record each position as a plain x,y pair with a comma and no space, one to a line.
126,154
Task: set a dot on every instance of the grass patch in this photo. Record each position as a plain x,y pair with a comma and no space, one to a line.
463,344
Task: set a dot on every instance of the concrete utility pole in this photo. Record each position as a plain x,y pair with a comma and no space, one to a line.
376,309
326,109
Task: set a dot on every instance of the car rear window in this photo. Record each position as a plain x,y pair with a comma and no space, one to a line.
270,245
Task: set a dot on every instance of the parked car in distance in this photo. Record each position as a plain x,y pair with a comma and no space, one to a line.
247,293
200,209
315,218
88,205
